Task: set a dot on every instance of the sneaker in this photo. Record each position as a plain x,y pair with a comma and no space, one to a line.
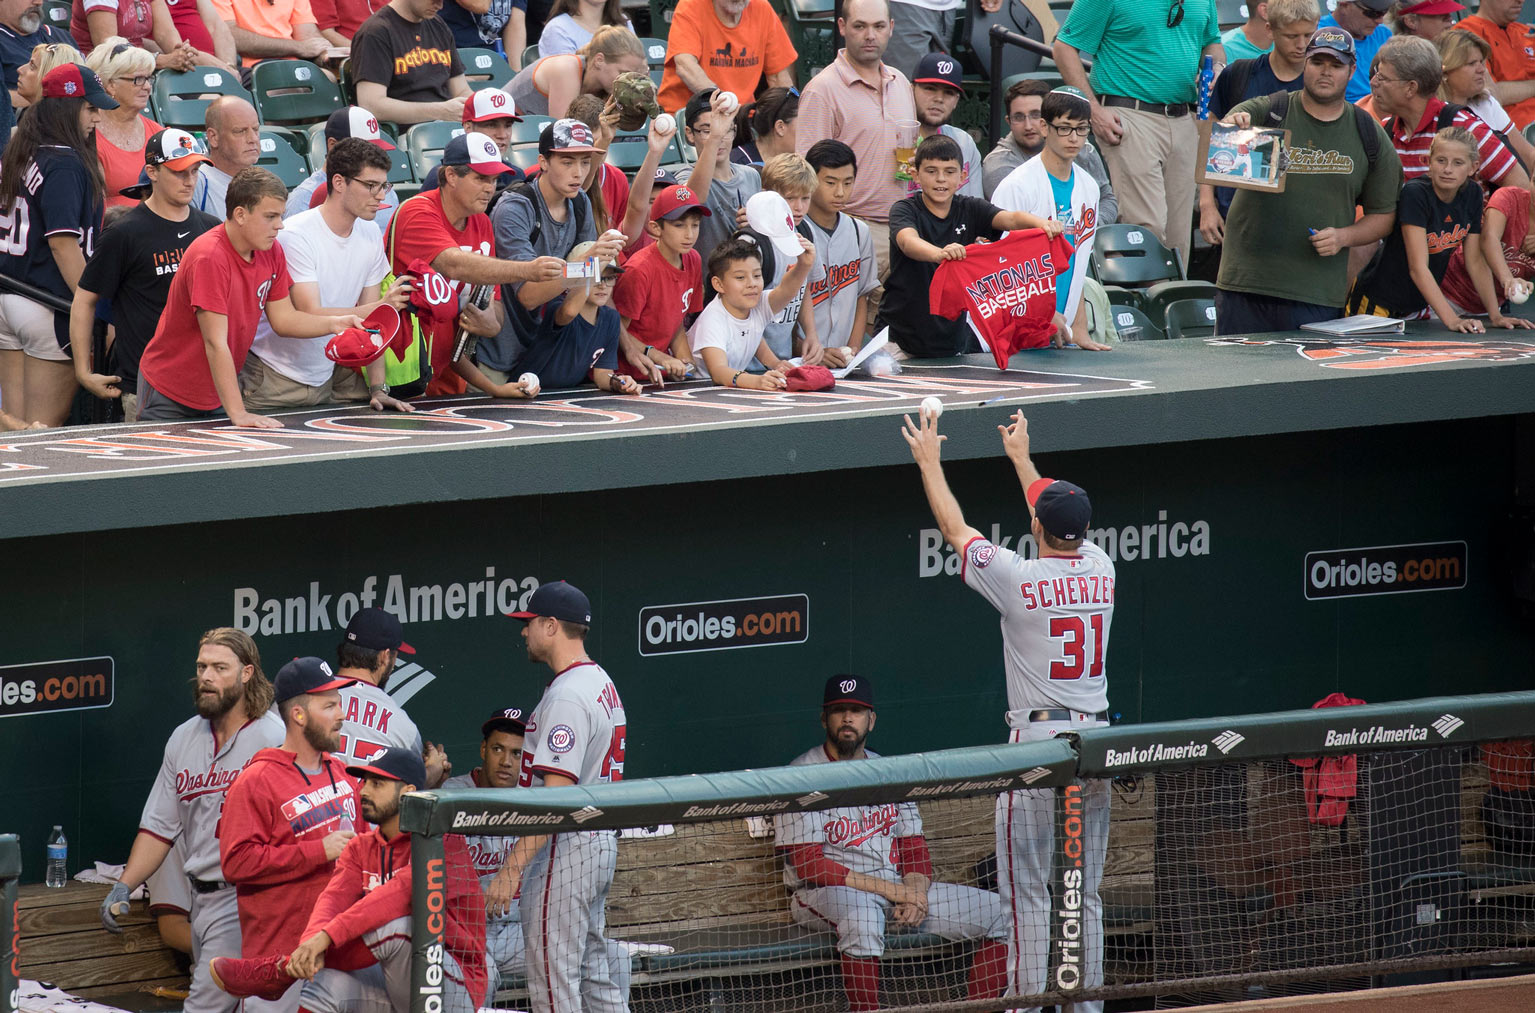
261,977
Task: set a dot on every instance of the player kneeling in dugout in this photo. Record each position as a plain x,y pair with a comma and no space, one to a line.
356,950
855,869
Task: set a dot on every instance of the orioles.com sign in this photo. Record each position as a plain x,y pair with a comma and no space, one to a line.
45,687
724,625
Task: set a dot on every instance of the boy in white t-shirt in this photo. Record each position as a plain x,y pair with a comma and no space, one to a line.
728,334
336,257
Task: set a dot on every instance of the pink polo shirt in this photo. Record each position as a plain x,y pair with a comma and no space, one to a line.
838,103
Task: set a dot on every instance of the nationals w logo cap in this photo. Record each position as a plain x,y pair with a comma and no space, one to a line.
845,689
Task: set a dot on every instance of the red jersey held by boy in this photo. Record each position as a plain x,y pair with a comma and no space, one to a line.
1007,288
420,229
654,296
371,887
212,277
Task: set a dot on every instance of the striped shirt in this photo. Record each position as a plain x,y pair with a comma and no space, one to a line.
1497,158
838,103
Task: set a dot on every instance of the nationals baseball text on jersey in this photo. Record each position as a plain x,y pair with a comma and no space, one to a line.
1012,285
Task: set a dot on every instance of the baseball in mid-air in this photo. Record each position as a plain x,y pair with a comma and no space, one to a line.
931,406
666,124
1519,292
530,383
728,102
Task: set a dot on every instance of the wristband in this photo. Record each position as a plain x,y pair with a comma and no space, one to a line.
733,379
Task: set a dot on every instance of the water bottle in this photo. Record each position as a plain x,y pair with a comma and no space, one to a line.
1205,84
58,857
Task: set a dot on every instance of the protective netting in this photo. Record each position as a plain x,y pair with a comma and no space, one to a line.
1219,882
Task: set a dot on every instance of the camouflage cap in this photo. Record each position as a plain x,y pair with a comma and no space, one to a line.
635,94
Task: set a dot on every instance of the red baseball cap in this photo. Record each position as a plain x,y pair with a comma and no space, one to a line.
433,295
490,104
75,80
674,202
356,347
1431,7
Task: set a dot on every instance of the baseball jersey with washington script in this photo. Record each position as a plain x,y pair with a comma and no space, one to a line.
1056,612
862,838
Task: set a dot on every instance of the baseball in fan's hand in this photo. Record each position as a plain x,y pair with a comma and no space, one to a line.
665,124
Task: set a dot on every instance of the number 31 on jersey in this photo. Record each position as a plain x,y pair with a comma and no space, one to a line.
1081,638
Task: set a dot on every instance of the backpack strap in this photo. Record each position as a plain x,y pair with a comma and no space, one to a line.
1369,134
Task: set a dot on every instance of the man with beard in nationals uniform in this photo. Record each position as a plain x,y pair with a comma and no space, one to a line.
1056,612
373,721
855,868
204,755
575,736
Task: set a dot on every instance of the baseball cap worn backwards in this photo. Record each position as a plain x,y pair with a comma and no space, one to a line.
355,121
305,675
845,689
376,629
558,600
1063,509
1332,41
175,149
393,764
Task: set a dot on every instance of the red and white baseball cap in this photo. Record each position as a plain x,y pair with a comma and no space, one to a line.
355,121
175,149
356,347
490,104
477,151
1430,8
674,202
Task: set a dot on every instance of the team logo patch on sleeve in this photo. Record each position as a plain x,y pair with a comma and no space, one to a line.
982,553
561,738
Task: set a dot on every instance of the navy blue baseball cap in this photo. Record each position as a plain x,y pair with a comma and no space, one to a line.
558,600
939,68
141,189
393,764
512,719
845,689
378,630
1063,509
305,675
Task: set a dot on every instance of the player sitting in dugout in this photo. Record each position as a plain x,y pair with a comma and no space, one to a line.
855,869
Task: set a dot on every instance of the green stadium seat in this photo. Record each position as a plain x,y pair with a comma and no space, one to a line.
1015,17
656,74
524,157
1231,13
1190,318
628,152
424,143
1133,325
293,91
529,54
528,130
1157,299
1132,255
400,170
58,13
280,156
180,98
655,52
345,83
485,68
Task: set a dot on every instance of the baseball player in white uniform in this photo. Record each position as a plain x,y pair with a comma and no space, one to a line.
1052,185
372,720
1056,611
204,755
501,761
856,869
576,735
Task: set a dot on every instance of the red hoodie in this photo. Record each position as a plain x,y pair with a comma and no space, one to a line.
270,843
371,887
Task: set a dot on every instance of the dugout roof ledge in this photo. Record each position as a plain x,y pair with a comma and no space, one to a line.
1406,724
915,777
1142,393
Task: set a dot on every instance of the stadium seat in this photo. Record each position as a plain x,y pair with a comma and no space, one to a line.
1136,268
344,81
293,91
485,68
1231,13
1133,325
280,156
528,130
400,170
1190,318
628,152
656,74
655,52
180,98
1013,16
524,158
1529,132
530,54
57,13
424,143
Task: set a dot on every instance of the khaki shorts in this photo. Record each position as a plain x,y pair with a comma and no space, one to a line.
261,386
26,326
130,407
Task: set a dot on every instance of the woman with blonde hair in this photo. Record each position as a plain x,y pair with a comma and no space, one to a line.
1464,59
546,86
29,76
572,23
128,74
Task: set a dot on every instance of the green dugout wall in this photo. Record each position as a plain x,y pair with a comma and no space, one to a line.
1256,572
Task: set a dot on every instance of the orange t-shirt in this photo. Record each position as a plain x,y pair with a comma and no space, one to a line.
119,167
275,19
1513,58
736,59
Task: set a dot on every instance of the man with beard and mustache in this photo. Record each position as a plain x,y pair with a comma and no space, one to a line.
853,869
204,755
356,949
22,29
287,817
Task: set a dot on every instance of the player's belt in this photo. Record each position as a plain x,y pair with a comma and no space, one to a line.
1173,109
206,885
1054,714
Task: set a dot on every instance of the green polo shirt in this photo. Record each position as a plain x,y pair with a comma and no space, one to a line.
1134,53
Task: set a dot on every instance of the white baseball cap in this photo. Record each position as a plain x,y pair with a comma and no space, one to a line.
355,121
490,104
768,213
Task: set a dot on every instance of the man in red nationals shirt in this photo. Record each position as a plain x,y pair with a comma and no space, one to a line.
448,229
227,277
356,948
287,817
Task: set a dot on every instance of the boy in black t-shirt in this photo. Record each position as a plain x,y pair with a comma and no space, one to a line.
928,228
134,265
